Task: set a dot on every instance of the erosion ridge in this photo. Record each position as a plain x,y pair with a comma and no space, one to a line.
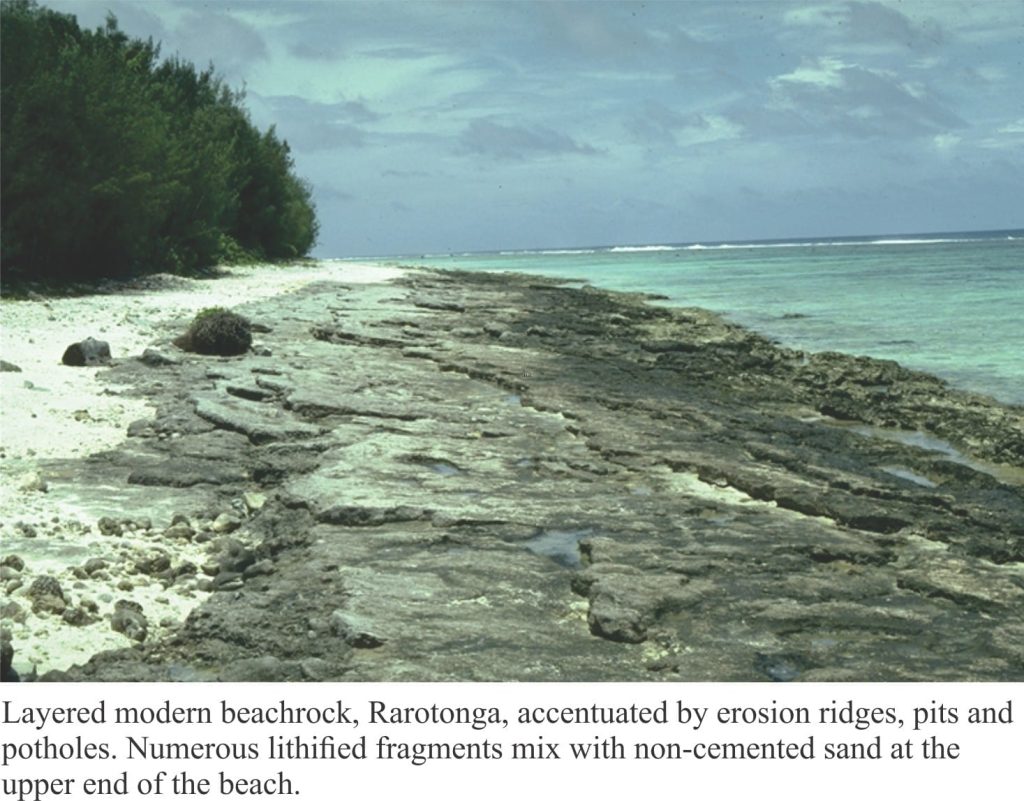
472,476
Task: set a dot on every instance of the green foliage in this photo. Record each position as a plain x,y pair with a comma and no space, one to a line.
217,331
114,162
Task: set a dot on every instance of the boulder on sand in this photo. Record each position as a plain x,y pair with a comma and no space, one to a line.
87,353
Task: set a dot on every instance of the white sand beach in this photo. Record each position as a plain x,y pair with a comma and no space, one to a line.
52,411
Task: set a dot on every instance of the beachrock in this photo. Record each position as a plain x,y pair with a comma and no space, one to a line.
156,358
153,563
370,516
12,610
704,522
179,532
254,501
264,567
94,564
109,527
210,568
47,595
77,616
233,556
129,620
33,482
225,523
7,672
7,367
87,353
262,669
355,630
26,530
227,580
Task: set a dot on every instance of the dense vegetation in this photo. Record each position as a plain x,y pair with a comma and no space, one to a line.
115,161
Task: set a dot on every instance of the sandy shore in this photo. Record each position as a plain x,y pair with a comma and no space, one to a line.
50,412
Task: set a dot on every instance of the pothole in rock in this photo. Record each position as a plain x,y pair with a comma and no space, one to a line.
444,469
559,545
927,442
439,467
909,475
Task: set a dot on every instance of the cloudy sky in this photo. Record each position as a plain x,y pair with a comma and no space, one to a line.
430,127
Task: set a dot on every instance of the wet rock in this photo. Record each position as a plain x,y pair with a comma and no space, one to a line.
14,562
87,353
129,620
8,573
8,367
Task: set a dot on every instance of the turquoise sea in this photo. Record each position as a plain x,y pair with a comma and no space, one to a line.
951,304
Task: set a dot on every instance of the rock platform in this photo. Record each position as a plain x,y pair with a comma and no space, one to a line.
484,477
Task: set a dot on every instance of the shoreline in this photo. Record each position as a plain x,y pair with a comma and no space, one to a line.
51,412
572,446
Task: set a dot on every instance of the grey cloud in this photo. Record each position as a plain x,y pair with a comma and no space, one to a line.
657,124
870,23
348,111
873,22
328,193
311,127
234,44
855,101
513,142
311,51
405,173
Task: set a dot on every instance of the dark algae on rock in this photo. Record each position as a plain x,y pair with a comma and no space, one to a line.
498,477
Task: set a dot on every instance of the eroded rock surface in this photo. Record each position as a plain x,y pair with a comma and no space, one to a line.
493,477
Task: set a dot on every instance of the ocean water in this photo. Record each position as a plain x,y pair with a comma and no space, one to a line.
950,304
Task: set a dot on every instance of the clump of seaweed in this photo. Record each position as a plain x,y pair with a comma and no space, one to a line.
217,332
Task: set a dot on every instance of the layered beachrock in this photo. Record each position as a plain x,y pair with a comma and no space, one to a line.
494,477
